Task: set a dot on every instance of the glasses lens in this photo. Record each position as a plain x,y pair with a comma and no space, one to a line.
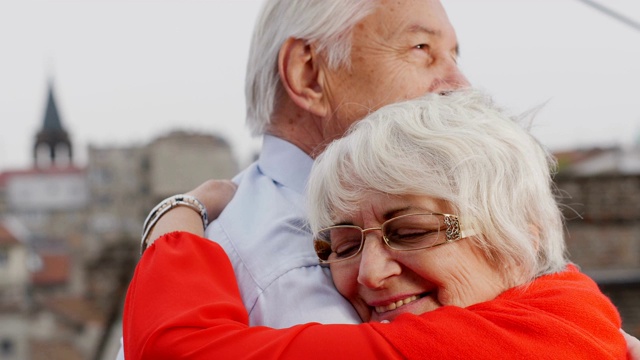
414,231
323,249
338,242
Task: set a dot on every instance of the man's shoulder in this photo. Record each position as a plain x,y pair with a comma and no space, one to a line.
264,217
261,195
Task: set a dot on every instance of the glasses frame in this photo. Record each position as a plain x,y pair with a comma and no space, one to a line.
452,233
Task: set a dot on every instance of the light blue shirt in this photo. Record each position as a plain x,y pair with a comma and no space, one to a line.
263,231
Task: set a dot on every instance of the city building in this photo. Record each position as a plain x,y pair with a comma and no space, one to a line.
14,281
72,239
600,193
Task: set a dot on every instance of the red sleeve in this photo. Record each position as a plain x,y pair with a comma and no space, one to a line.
184,303
558,316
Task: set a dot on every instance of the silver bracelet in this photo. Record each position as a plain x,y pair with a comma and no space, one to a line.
164,207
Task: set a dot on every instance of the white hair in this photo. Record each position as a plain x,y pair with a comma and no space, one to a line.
461,148
327,24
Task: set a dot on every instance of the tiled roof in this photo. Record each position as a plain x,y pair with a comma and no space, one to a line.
55,270
75,309
46,350
6,237
600,161
4,176
579,155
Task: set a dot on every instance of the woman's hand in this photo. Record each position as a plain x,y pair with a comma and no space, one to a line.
214,195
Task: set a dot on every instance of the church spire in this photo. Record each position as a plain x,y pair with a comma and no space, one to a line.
52,147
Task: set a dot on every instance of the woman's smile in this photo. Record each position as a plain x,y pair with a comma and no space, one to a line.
413,304
395,304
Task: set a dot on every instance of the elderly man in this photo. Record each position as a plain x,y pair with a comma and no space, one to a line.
316,67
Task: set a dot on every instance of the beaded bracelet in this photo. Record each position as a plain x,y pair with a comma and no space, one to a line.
164,206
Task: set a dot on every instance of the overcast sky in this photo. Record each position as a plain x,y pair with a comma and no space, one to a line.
125,72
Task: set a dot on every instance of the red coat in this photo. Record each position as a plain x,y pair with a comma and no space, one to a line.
183,303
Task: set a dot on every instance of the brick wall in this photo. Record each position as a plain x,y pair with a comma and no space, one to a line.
603,225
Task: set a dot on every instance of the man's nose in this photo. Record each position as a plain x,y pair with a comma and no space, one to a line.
377,262
451,78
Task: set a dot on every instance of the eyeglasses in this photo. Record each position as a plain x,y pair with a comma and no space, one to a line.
402,233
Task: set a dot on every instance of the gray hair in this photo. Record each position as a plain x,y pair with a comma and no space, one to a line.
460,148
326,23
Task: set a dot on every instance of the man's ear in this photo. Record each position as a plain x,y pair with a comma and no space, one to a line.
300,74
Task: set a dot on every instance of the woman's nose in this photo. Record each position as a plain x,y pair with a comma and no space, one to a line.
377,262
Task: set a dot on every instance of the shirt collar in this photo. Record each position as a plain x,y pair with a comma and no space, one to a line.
285,163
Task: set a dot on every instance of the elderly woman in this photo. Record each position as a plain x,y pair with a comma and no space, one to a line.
437,219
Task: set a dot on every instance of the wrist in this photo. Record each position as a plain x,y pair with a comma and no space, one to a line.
177,221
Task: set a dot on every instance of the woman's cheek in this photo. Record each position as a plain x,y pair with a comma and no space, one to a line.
345,278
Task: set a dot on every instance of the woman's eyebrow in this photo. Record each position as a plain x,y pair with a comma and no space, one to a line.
403,210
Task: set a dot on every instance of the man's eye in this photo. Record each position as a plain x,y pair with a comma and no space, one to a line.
421,46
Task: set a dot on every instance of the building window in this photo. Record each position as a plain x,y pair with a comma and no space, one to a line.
4,257
7,347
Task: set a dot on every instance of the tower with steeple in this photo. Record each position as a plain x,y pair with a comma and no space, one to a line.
52,147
